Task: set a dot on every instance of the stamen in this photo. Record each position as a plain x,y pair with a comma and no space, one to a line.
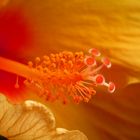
37,60
30,64
55,76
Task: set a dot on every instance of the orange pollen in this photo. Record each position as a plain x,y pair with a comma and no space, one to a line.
58,75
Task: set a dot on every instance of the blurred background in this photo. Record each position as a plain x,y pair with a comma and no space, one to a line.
31,28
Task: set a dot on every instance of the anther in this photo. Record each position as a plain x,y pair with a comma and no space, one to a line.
70,63
46,57
52,55
37,60
30,64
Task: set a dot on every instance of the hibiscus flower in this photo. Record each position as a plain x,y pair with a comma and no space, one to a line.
55,26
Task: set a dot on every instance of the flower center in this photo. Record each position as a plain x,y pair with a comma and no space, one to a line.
58,75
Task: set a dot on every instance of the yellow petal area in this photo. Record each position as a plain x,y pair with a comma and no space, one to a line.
111,26
31,121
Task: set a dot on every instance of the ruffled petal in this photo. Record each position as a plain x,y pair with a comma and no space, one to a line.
31,120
